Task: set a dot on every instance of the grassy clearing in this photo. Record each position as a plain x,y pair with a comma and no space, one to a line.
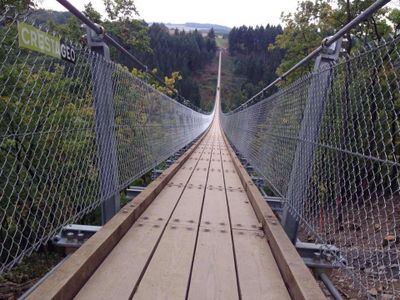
221,42
231,95
207,82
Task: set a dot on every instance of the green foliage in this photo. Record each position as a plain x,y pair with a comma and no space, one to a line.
394,17
132,34
183,52
168,52
41,98
361,117
363,108
129,32
168,86
303,32
70,30
49,175
121,10
20,5
232,94
211,34
42,16
32,268
313,21
91,13
253,60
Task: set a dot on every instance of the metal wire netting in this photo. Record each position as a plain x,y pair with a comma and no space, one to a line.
350,197
52,127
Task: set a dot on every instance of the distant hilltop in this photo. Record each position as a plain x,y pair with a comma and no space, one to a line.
219,29
61,17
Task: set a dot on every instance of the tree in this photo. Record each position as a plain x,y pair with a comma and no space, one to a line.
303,32
121,9
130,32
18,4
211,44
253,59
91,13
183,52
313,21
394,17
167,87
70,30
211,34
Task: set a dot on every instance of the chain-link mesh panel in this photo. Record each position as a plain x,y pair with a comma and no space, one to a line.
51,132
150,126
265,133
352,192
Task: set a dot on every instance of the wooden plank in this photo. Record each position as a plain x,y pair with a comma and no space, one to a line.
167,276
258,274
169,269
168,272
241,211
132,254
214,274
119,272
298,278
74,272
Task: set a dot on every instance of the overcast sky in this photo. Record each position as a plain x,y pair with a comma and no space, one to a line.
223,12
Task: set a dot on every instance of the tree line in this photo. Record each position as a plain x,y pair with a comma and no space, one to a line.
263,53
180,51
163,51
169,54
252,57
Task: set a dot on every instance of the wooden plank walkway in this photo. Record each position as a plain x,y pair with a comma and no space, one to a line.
198,239
197,233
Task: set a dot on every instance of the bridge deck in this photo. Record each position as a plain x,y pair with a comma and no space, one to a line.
199,238
199,231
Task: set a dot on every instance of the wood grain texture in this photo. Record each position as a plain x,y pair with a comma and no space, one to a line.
214,272
258,273
168,272
298,278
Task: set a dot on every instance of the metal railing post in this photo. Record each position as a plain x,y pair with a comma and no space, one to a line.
308,137
105,133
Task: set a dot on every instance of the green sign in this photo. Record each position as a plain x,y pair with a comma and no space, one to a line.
29,37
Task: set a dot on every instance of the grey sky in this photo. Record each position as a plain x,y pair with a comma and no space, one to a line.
223,12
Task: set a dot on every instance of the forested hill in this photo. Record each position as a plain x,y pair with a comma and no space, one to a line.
166,51
185,52
259,54
202,27
42,16
163,50
253,60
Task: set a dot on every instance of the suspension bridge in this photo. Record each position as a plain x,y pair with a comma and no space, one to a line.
76,129
198,238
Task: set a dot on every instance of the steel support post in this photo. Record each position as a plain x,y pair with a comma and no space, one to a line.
307,139
105,131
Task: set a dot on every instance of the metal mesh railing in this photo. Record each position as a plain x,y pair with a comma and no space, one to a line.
53,127
351,195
